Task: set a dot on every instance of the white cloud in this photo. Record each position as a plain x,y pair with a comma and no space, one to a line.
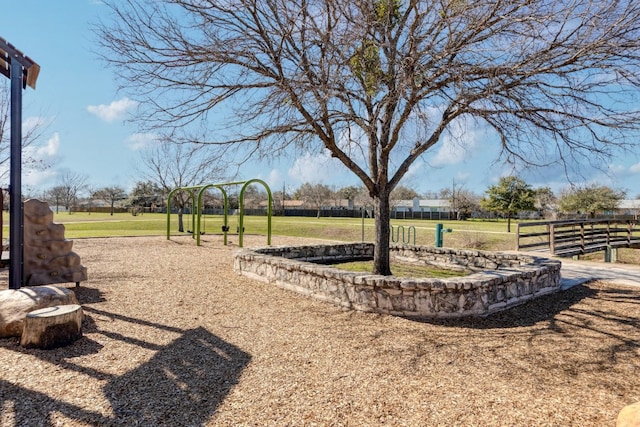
635,168
459,144
616,169
40,178
33,123
317,169
140,141
415,173
114,111
36,170
462,176
50,149
43,153
274,179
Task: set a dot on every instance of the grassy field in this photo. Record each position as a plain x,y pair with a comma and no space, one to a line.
475,234
471,234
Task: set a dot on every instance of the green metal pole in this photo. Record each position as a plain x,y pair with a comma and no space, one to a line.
438,235
169,212
225,221
269,210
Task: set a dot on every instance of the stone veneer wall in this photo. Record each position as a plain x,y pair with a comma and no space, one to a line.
498,280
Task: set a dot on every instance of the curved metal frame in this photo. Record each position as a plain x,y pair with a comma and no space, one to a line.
396,237
196,211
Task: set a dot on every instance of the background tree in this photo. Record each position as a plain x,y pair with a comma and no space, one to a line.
510,196
253,196
31,137
377,83
171,166
336,197
316,195
358,196
546,202
590,199
70,187
111,195
462,201
145,194
279,198
401,193
55,196
349,192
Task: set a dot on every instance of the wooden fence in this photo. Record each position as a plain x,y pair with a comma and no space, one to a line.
577,237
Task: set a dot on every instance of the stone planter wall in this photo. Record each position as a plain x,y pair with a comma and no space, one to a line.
497,281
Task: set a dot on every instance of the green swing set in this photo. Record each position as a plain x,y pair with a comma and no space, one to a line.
196,212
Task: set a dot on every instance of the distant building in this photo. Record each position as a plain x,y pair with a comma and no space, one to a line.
629,207
422,208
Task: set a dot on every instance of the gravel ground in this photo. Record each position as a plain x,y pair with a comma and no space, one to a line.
173,337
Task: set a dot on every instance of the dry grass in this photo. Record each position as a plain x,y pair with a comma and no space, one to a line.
173,337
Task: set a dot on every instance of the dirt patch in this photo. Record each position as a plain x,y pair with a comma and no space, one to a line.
173,336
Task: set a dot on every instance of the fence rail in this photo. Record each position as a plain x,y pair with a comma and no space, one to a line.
577,237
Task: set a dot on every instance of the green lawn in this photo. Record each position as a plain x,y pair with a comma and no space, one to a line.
401,269
471,234
465,234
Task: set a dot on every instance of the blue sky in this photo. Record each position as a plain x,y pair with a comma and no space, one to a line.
87,133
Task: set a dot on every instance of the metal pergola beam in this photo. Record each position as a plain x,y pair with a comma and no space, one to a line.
23,72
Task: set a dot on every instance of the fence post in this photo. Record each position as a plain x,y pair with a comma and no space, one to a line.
552,239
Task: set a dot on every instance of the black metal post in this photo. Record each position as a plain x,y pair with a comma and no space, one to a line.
15,179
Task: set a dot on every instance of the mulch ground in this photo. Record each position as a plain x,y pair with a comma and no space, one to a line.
173,337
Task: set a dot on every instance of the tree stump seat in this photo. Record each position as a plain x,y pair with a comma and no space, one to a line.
52,327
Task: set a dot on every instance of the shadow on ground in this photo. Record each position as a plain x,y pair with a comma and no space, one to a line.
539,309
196,371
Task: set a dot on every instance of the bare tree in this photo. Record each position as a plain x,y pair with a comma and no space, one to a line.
377,83
31,135
172,166
69,188
316,195
111,195
546,202
55,196
462,201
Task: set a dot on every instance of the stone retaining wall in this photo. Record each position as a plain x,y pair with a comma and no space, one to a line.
498,280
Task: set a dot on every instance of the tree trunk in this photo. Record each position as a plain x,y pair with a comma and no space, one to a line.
180,223
508,223
381,263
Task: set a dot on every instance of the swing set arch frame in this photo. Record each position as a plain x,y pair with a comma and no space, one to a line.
196,211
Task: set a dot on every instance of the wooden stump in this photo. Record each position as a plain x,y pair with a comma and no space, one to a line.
52,326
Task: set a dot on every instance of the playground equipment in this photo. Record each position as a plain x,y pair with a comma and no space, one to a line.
47,255
395,234
23,72
196,212
439,232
